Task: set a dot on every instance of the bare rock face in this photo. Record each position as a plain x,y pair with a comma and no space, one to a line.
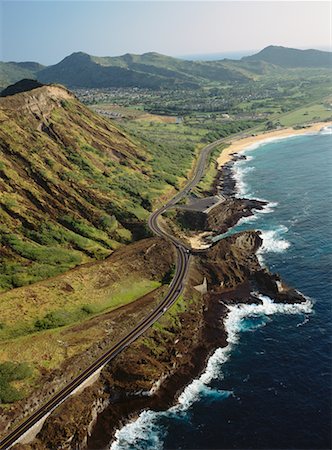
232,260
228,213
153,370
220,218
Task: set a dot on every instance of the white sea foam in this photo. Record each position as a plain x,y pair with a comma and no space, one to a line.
247,219
140,434
269,140
146,430
239,172
273,242
268,208
326,130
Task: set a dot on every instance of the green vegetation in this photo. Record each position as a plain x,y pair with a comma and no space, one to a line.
168,277
79,192
205,185
172,148
310,113
11,72
64,316
79,189
291,57
150,70
218,131
76,187
155,71
74,305
10,373
168,327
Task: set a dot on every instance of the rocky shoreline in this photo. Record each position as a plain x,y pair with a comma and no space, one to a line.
153,371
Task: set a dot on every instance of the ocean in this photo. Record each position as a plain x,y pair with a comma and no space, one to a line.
271,387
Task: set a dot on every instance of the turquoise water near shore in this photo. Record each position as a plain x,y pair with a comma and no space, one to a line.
271,387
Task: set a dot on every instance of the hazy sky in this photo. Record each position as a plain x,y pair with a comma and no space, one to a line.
47,31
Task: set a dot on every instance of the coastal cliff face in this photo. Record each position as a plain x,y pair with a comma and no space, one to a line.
152,372
227,214
220,218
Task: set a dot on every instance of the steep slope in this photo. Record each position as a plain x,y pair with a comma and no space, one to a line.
73,187
150,70
291,57
23,85
10,72
82,70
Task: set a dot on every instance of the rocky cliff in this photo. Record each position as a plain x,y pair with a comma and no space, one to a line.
152,372
220,218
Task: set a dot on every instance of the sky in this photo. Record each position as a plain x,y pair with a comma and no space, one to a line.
47,31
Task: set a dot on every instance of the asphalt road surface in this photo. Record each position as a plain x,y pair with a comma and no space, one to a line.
175,289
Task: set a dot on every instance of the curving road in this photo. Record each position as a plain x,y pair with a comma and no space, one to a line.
175,289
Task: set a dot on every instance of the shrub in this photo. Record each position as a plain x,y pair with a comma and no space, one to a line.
108,223
53,320
87,309
10,371
169,275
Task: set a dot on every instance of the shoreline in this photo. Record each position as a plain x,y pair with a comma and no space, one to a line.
126,400
175,391
239,145
230,337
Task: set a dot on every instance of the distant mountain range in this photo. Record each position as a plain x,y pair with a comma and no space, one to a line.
291,57
155,71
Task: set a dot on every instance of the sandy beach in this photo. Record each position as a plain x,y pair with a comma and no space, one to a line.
239,145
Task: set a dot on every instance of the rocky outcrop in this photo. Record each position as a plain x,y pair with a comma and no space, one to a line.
227,214
24,85
225,182
172,352
220,218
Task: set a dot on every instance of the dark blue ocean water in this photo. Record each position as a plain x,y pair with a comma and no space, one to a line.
271,388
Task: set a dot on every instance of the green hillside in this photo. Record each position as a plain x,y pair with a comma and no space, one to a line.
73,187
10,72
155,71
82,70
150,70
291,57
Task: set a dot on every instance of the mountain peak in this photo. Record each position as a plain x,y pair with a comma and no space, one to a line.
24,85
34,98
78,56
291,57
152,54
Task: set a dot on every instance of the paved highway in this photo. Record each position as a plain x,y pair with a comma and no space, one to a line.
175,289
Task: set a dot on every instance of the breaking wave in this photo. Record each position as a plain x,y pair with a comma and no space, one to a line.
149,431
143,433
273,240
326,130
239,173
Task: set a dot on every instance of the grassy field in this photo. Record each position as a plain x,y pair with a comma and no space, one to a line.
44,347
310,113
80,311
64,308
209,177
